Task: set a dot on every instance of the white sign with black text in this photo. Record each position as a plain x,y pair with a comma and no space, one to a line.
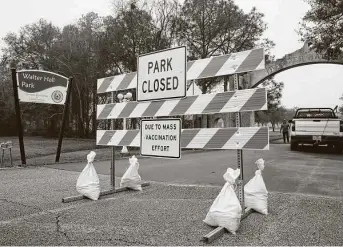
161,138
162,75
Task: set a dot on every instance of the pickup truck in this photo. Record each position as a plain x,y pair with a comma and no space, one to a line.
316,126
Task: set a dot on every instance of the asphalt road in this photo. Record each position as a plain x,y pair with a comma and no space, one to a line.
309,171
311,214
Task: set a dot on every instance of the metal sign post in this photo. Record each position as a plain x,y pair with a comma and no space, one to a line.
65,113
17,112
112,189
44,87
239,153
113,155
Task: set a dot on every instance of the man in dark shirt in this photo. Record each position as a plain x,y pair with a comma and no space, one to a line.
284,128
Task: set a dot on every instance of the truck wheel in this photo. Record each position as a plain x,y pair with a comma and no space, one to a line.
294,146
338,148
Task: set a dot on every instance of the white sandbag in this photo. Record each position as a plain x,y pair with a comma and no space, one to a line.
255,191
226,210
131,178
88,182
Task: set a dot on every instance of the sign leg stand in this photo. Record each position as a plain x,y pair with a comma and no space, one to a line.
239,154
113,155
17,112
112,176
219,231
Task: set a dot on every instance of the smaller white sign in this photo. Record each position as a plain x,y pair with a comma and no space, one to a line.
161,138
162,75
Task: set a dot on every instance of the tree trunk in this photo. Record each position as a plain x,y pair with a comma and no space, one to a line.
204,121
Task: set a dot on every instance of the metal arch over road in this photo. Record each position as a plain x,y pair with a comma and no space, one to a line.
301,57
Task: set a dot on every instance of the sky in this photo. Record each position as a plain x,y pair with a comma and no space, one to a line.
306,86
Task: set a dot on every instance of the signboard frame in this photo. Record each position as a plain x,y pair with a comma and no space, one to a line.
66,102
185,75
160,120
64,93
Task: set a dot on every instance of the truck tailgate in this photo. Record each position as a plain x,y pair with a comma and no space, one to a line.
327,127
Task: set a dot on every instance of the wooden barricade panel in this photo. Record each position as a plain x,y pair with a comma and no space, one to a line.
233,101
246,138
228,64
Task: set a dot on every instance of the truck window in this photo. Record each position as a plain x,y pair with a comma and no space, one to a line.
315,114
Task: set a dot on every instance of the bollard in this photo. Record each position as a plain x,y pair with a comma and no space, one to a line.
6,146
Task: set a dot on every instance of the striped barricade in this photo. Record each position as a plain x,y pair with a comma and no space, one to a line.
229,64
248,138
233,101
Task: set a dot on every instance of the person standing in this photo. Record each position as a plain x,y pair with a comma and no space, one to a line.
285,131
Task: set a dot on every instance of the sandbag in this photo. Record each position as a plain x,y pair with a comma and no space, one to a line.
255,191
226,210
131,178
88,182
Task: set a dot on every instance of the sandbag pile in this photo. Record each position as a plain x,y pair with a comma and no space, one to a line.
226,210
131,178
88,182
255,191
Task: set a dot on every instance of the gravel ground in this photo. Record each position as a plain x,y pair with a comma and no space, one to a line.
159,215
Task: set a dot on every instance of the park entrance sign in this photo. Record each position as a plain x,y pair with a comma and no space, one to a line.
38,86
41,87
301,57
162,75
161,138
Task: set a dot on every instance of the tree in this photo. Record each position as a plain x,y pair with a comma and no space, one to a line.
81,57
73,51
134,31
276,116
275,112
34,48
216,27
96,47
8,120
322,25
261,117
290,113
340,108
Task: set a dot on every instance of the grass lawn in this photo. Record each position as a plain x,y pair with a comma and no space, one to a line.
40,146
40,150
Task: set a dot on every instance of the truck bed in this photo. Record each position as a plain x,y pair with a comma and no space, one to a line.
323,127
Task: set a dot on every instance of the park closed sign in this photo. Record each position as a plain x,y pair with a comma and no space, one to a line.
162,75
161,138
41,87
